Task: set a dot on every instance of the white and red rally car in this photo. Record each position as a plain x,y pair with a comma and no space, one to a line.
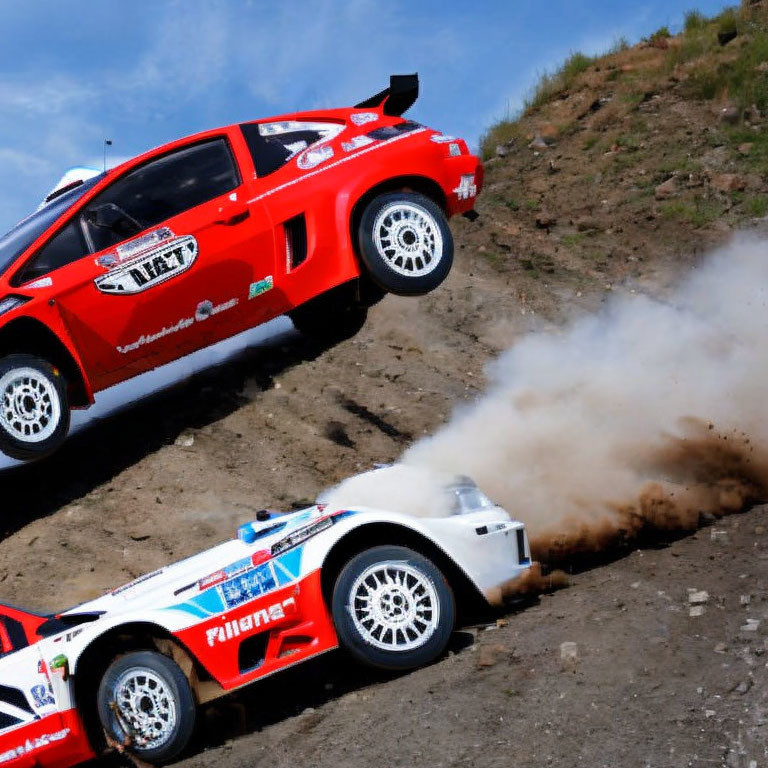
132,666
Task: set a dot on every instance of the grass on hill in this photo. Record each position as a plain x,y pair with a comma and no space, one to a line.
723,57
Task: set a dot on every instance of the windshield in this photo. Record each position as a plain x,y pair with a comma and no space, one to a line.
15,242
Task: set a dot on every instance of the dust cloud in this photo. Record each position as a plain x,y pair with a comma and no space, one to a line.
647,415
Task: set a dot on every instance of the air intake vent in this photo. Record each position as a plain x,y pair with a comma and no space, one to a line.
390,131
252,652
522,555
295,241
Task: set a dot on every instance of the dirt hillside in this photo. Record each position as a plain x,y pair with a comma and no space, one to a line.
621,174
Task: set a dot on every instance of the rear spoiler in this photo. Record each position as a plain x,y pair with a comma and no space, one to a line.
402,93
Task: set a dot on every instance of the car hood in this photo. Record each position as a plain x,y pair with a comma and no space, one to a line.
171,584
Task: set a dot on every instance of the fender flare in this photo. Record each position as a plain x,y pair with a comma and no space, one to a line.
26,334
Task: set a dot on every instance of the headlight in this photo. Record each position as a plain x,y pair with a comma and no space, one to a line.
11,302
466,498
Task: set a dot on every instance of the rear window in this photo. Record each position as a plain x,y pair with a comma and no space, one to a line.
272,145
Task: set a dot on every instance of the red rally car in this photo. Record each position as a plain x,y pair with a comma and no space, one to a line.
314,214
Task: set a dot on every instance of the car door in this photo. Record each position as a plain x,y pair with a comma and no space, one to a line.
32,730
167,263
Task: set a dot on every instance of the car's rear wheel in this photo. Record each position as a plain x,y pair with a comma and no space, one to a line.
393,608
34,412
331,317
405,243
145,702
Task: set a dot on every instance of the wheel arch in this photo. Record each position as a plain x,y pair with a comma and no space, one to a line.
468,597
26,335
95,658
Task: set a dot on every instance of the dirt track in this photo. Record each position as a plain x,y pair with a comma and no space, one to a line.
274,429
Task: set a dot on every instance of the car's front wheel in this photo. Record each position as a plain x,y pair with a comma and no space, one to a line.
405,243
34,412
393,608
145,702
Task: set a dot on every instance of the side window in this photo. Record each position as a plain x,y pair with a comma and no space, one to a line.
65,247
272,145
160,189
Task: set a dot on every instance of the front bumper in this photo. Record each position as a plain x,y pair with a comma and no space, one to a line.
489,547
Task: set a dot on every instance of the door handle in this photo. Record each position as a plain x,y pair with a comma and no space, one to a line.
233,214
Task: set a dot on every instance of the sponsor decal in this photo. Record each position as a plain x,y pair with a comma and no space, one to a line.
313,156
260,286
135,247
42,696
356,143
212,580
136,582
210,602
202,312
249,623
300,535
467,187
440,138
149,269
361,118
32,745
248,586
235,569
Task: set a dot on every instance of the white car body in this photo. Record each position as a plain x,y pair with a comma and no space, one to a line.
203,611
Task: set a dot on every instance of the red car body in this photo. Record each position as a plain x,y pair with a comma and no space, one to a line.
227,263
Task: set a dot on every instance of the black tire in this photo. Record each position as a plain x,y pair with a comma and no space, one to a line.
34,411
418,255
423,639
329,318
163,676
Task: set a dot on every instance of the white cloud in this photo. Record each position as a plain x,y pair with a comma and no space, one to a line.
17,162
40,97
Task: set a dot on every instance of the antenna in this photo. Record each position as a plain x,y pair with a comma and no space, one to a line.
107,143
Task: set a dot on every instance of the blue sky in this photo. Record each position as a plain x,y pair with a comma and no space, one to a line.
144,72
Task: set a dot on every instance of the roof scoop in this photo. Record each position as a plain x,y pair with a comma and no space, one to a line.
394,101
72,178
